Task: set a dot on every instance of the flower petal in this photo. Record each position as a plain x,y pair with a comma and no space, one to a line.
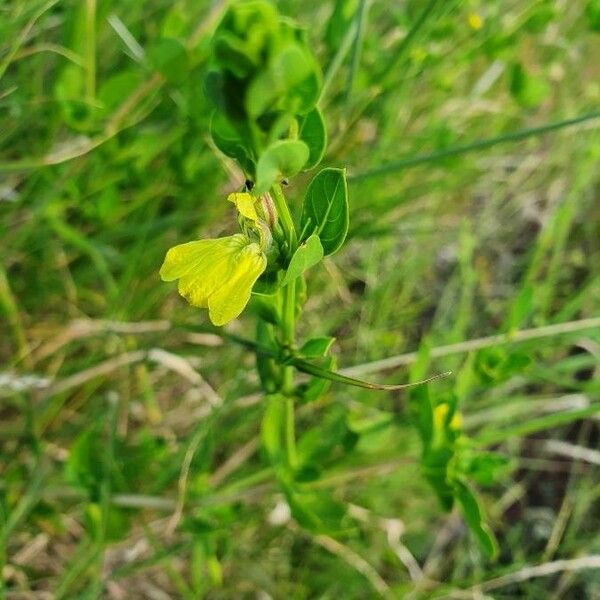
182,259
201,266
197,286
245,203
227,302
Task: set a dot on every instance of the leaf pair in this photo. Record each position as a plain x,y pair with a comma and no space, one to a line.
324,222
325,209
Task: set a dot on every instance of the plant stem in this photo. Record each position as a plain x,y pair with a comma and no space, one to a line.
283,212
288,326
290,433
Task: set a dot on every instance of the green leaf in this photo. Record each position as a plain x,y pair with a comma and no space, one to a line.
268,283
527,89
232,54
169,57
281,159
474,518
291,82
176,23
307,255
543,14
325,208
327,440
419,399
68,91
592,12
243,36
314,134
84,468
434,466
521,308
212,86
316,347
113,526
312,369
266,309
493,365
315,511
483,467
230,142
317,386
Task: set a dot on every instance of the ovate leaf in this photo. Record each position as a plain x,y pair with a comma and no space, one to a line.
325,209
289,79
307,255
529,90
314,135
316,347
280,159
316,387
474,518
230,143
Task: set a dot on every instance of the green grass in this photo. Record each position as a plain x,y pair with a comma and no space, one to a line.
129,432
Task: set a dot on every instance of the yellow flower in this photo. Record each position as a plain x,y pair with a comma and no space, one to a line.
217,274
439,418
456,421
246,205
475,21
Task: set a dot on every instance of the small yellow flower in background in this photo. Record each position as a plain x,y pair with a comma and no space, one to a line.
439,417
475,21
217,274
456,421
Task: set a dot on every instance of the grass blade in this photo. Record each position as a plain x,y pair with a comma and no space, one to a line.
513,136
361,13
496,436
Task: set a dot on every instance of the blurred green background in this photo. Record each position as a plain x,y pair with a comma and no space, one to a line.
130,466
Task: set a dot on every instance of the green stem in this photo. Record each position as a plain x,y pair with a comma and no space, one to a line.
288,317
288,333
288,326
290,433
285,217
